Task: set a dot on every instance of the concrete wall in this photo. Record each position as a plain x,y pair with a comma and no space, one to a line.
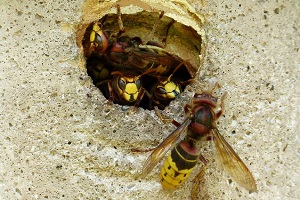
61,140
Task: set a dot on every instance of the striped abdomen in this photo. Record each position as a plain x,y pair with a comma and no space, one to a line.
179,164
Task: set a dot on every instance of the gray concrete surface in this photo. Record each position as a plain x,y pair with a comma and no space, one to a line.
61,140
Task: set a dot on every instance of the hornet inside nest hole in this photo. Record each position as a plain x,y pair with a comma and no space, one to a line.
142,60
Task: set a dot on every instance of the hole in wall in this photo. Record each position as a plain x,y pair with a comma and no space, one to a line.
145,62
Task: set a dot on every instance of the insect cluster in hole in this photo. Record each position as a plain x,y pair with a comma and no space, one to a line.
132,71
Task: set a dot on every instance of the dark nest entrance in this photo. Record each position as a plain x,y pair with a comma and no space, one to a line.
146,64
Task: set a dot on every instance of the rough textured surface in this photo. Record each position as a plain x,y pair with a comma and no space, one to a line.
61,140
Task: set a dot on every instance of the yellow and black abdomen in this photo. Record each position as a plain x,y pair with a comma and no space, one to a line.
179,164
